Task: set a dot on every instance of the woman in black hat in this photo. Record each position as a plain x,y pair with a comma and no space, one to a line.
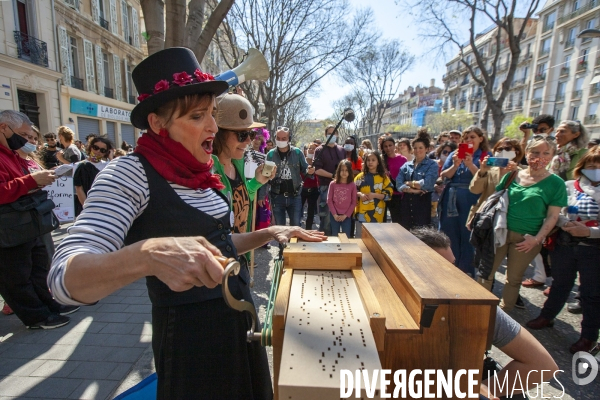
158,213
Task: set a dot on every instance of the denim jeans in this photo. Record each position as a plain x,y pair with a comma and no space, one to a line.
290,205
336,227
324,214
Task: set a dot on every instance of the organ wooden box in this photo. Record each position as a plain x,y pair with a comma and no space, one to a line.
420,310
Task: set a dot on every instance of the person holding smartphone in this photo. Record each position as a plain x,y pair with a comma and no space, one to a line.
457,200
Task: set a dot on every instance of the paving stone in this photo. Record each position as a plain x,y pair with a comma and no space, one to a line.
120,371
27,351
144,341
94,389
132,292
54,388
112,308
91,353
55,368
135,300
94,370
18,385
139,308
125,355
18,366
121,328
112,317
140,318
112,299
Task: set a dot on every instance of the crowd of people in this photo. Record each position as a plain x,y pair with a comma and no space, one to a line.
206,180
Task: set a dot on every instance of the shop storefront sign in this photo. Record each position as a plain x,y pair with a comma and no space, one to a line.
99,110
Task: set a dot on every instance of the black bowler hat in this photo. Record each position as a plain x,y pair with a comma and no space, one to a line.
167,75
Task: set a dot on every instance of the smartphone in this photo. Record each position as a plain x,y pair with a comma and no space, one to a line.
464,149
497,162
268,168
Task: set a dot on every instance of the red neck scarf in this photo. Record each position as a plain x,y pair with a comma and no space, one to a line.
175,163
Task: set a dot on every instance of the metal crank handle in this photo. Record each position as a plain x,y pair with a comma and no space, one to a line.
232,266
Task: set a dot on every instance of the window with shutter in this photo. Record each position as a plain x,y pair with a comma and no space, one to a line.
88,52
135,27
65,60
73,4
118,86
126,69
99,70
96,11
124,21
113,17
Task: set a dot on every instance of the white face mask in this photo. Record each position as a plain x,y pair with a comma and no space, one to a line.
281,144
333,139
443,157
506,154
348,147
28,148
310,155
592,174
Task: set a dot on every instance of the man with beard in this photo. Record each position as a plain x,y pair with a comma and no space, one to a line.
48,153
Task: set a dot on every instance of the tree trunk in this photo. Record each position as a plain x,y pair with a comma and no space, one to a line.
154,19
175,34
498,117
193,27
215,19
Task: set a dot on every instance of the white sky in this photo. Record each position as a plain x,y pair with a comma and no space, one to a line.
392,25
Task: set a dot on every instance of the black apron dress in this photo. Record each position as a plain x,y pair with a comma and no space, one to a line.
199,343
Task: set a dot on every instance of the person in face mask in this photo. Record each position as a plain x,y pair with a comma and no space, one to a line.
310,188
535,198
286,187
484,182
48,152
327,158
577,249
24,268
442,153
392,162
544,127
352,154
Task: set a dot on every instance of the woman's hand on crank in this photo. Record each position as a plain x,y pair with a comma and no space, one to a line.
183,262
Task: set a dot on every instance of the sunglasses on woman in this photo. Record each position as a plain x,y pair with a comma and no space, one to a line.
506,148
243,135
445,152
100,149
283,128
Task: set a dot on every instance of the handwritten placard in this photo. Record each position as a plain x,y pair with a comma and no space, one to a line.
61,192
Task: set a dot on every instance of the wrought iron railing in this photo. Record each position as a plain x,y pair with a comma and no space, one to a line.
31,49
560,97
581,66
576,94
544,52
581,10
564,71
540,77
590,119
76,82
104,24
569,43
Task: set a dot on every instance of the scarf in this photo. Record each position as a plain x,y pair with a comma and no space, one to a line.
176,164
562,160
585,186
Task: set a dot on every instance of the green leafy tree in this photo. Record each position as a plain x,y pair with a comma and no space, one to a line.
438,123
512,130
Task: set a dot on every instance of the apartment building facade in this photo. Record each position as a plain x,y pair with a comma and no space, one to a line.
565,66
29,67
99,44
462,92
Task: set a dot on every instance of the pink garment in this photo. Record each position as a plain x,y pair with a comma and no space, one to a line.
341,198
394,165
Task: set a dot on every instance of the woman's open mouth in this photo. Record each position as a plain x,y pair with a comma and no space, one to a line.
207,145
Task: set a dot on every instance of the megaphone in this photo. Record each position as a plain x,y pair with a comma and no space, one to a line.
254,68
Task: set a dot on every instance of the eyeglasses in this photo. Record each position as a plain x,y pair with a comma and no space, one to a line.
100,149
547,138
283,128
445,152
506,148
243,135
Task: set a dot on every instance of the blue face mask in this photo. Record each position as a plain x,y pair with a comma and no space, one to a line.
28,148
592,174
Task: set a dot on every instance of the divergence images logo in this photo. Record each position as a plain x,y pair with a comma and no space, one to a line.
584,364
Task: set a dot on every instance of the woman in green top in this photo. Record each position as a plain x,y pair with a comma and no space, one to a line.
572,140
235,123
535,199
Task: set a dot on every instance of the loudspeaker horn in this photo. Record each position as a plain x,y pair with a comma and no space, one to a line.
254,68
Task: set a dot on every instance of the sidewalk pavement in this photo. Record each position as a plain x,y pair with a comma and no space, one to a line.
105,349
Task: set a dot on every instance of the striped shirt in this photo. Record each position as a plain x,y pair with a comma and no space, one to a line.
584,208
119,195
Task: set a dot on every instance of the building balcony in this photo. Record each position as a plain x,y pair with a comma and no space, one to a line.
104,23
525,58
595,90
576,94
560,97
502,67
581,66
76,82
475,96
518,82
540,77
462,100
547,27
590,119
569,43
109,92
544,53
31,49
564,71
597,65
581,10
536,101
509,107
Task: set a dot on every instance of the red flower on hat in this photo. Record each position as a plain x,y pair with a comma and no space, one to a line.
203,77
143,97
161,86
182,78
